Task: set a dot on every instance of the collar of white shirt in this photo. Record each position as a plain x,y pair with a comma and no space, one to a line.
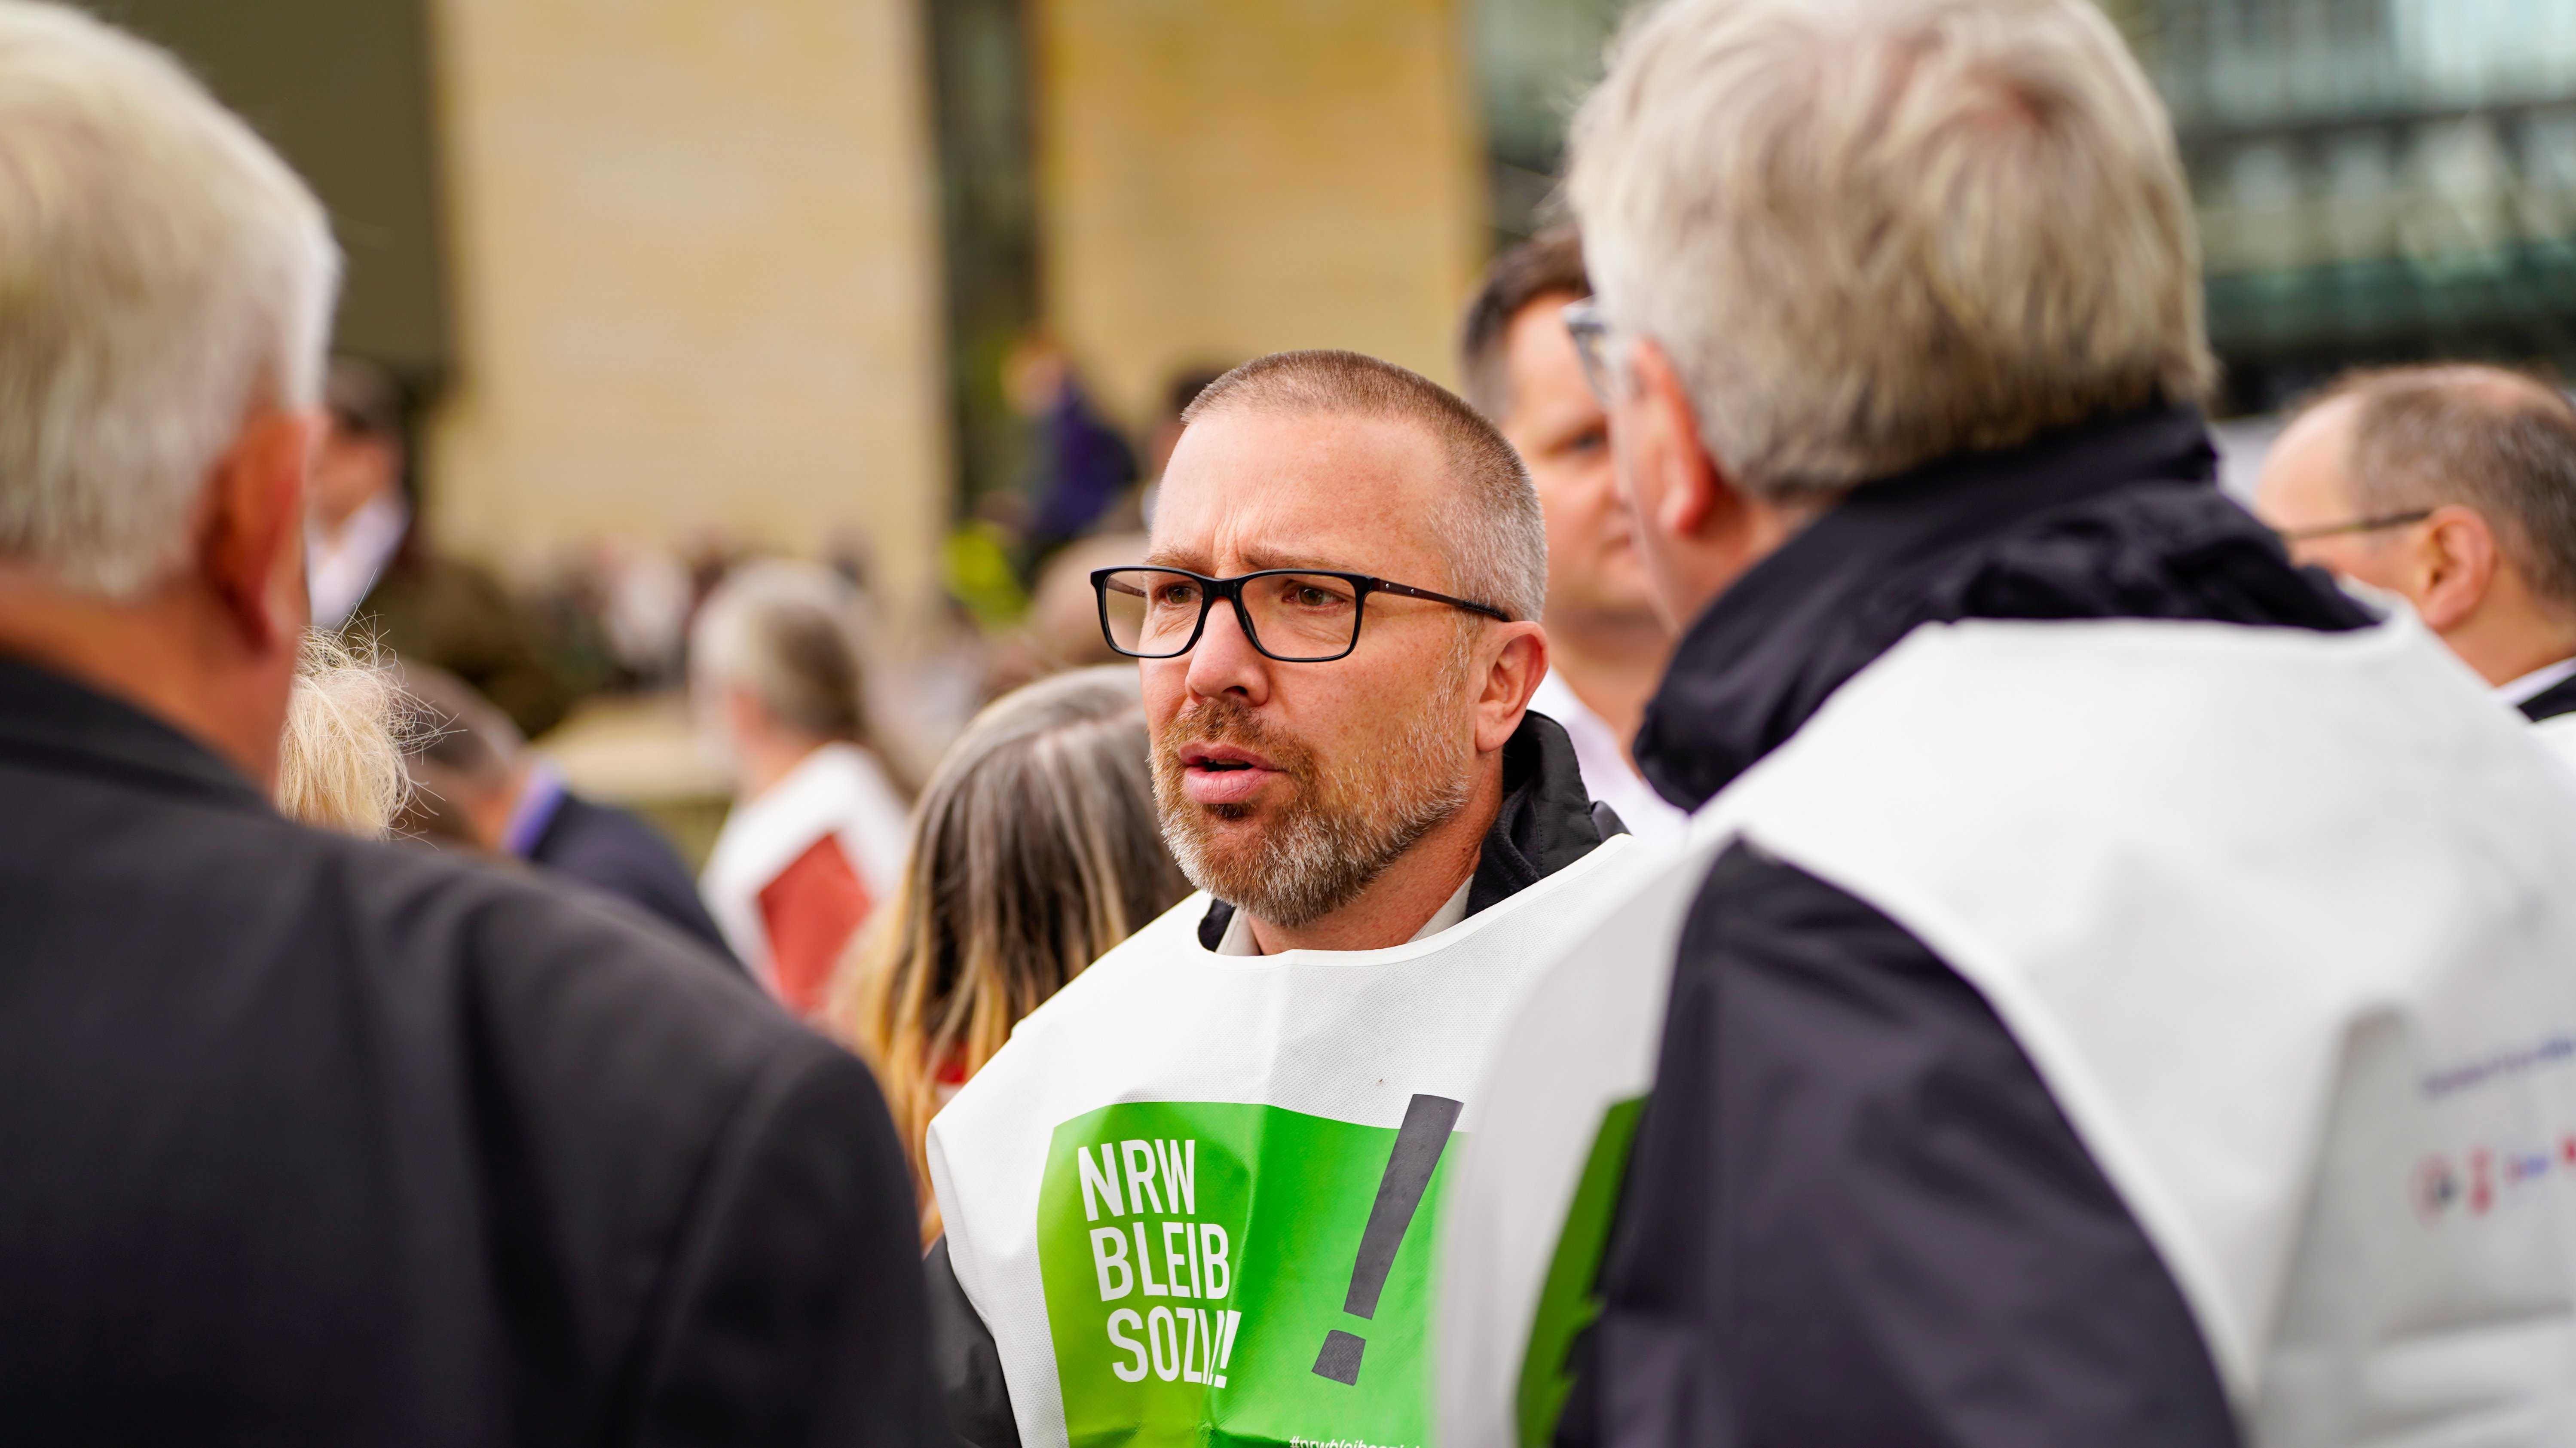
1238,931
2530,685
340,567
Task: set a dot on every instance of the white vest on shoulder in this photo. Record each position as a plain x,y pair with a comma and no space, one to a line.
1196,1191
2285,920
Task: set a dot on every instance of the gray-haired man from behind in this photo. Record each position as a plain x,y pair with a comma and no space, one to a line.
1335,629
311,1139
2117,988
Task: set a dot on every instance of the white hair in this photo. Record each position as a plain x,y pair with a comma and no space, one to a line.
161,272
1871,233
340,762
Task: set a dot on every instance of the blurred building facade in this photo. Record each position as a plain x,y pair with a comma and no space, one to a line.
2379,180
673,273
666,271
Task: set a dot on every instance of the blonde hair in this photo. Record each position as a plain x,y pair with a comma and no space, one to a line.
163,271
1034,850
340,764
1873,233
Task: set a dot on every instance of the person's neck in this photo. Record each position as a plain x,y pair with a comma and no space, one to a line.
165,654
1612,662
2502,659
1400,901
765,758
2512,633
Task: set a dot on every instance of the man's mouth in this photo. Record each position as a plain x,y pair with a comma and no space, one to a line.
1223,773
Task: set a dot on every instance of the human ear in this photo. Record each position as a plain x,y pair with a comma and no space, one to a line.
251,544
1511,679
2453,567
1684,483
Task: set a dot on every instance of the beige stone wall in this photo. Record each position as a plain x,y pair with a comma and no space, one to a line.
695,277
1219,180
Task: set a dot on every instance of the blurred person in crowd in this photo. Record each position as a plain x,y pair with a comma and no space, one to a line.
1062,630
2104,943
310,1138
373,566
1034,850
1084,464
816,835
1606,647
1338,641
2455,489
477,783
340,760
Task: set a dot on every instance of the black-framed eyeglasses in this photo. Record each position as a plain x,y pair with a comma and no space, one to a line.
1590,328
1294,615
2357,525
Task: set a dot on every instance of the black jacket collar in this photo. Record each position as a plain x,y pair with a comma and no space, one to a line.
1545,823
2549,703
49,722
2116,520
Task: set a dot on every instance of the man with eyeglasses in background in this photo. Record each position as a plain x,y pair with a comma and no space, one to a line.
1198,1186
1608,646
2454,488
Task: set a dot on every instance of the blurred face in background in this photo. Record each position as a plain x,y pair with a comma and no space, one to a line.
1287,788
351,468
1561,432
2306,484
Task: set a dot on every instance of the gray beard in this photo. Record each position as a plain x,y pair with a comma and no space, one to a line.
1322,852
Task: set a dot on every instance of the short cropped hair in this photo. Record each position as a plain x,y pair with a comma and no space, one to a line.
788,632
161,271
1494,533
2495,441
1874,233
1549,265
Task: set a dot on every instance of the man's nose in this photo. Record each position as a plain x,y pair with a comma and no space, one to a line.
1224,660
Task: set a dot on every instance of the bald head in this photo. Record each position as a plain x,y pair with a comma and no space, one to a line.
2452,486
1494,532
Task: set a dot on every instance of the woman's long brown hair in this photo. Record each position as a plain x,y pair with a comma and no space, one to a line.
1035,848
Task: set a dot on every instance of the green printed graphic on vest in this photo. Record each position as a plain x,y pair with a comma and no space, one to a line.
1571,1296
1228,1274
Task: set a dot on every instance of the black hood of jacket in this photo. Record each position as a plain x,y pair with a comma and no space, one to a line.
1546,822
2122,519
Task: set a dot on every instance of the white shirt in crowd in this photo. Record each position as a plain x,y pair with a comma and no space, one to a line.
340,567
838,793
1607,775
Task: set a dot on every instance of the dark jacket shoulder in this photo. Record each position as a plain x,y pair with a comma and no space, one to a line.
317,1138
615,852
1854,1215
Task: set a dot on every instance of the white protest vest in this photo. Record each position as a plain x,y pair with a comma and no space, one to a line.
1193,1198
838,790
2285,920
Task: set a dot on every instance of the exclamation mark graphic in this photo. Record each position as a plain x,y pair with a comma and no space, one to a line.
1418,1144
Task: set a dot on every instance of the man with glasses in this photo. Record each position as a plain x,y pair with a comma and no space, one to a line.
1199,1185
2455,489
1607,645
